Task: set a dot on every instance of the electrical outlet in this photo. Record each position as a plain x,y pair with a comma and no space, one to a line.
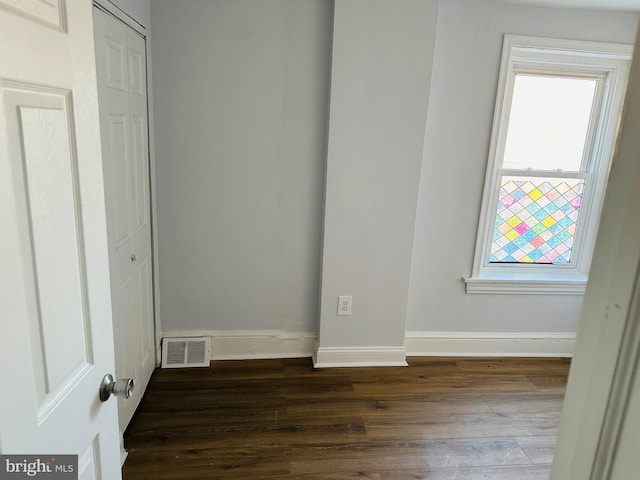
344,305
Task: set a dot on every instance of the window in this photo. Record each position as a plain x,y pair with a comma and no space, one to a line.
555,123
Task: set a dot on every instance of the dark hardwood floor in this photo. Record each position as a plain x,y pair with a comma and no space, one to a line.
439,419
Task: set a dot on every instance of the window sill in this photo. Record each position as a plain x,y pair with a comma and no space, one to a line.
574,285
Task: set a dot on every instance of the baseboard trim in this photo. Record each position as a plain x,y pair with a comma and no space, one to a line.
123,457
360,357
265,344
489,344
253,344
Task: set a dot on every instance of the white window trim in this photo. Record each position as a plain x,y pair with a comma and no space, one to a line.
608,62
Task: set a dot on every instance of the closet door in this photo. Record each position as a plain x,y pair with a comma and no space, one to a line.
122,92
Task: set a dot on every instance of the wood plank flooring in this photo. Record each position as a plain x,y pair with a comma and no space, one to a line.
438,419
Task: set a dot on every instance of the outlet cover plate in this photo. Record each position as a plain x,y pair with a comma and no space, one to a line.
344,305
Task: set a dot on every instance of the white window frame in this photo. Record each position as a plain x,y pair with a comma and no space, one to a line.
608,64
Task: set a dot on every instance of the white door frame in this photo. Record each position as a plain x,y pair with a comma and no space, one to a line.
144,31
608,342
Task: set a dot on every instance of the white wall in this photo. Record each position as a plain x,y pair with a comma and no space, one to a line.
381,67
461,102
241,95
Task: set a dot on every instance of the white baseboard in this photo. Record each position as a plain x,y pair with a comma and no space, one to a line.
257,344
360,357
487,344
123,457
253,344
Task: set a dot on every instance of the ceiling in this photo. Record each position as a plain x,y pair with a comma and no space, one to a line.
625,5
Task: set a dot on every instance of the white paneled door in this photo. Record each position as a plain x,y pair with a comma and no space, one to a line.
122,90
56,339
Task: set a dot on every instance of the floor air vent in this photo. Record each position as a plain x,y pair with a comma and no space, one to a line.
186,352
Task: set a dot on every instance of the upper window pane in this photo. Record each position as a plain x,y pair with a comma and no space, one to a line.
548,122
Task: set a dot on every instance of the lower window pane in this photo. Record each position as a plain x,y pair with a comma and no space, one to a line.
536,220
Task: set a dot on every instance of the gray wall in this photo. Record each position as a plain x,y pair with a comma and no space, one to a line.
241,94
381,67
462,98
140,10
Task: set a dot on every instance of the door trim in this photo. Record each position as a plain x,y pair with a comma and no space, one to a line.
107,7
621,388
